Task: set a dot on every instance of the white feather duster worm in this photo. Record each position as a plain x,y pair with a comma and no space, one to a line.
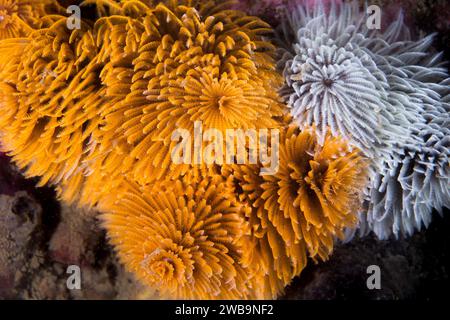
384,92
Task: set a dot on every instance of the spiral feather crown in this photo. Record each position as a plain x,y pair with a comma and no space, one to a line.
383,91
297,212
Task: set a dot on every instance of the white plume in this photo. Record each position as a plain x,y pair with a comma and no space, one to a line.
384,92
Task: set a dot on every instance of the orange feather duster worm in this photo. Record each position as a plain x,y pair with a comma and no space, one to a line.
182,238
298,211
103,102
174,64
51,103
278,221
18,18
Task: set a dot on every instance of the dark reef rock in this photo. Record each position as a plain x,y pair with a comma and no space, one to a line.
40,238
410,268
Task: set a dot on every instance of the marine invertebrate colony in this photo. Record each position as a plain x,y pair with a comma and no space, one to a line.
245,236
298,211
93,111
385,93
215,69
104,100
123,124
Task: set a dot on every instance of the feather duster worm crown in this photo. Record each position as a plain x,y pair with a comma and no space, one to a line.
18,18
298,211
55,95
378,89
402,200
175,65
129,83
181,237
138,77
340,74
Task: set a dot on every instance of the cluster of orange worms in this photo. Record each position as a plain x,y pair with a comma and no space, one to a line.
92,111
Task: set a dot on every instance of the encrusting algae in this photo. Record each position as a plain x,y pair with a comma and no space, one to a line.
92,111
